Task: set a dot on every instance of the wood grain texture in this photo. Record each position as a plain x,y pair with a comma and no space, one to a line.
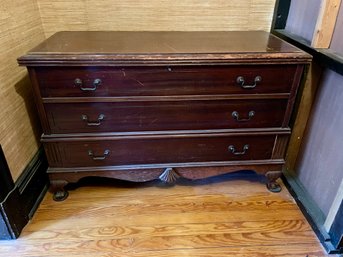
160,116
251,61
186,15
120,48
224,216
163,81
130,151
303,111
21,29
326,22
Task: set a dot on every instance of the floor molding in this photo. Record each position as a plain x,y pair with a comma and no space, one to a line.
20,200
310,210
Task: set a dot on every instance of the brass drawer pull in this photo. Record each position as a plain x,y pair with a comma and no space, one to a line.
78,82
235,115
241,82
232,149
99,158
101,117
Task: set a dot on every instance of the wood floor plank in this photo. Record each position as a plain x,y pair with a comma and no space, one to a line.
284,250
215,219
177,218
174,204
168,230
139,244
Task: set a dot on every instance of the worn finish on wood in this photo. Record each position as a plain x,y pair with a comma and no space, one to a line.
164,80
217,217
121,49
326,22
177,100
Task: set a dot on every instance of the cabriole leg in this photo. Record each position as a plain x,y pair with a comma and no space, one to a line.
272,185
57,188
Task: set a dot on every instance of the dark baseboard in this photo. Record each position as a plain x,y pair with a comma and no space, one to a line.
310,210
336,230
21,199
33,183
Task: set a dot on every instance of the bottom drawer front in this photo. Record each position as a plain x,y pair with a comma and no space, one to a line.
128,151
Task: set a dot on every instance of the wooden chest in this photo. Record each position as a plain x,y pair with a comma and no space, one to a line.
140,106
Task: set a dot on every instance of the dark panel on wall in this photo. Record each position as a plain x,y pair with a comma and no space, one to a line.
6,181
19,200
281,14
11,220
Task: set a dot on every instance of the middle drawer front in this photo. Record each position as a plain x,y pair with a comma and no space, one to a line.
164,115
155,150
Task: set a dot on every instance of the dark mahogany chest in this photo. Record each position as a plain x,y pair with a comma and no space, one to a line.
140,106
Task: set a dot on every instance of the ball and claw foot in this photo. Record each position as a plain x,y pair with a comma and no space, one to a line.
60,196
273,187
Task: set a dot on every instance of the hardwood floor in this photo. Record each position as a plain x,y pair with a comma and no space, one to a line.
225,216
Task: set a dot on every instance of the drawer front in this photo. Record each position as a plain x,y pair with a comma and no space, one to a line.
164,81
130,151
178,115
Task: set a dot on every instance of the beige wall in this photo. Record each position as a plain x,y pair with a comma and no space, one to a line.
24,23
176,15
20,30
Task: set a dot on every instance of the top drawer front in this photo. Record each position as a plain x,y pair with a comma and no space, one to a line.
164,81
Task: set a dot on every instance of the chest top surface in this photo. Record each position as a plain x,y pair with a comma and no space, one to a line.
109,47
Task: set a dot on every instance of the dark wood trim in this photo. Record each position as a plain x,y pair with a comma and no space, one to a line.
123,63
281,12
13,215
163,134
33,183
39,104
310,210
11,222
175,165
293,95
163,98
22,197
331,60
336,230
324,57
6,181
